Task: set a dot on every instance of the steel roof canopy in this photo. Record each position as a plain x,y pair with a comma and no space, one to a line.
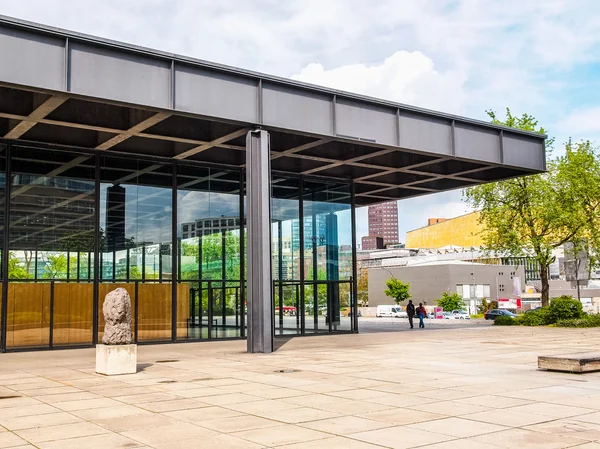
66,88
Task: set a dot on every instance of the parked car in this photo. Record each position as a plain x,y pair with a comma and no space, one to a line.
391,311
461,315
448,316
533,310
495,313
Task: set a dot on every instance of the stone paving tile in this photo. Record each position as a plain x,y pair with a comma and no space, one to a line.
509,419
525,439
569,428
353,407
27,410
199,414
333,443
216,441
64,431
146,397
120,411
296,415
87,404
279,436
593,418
171,406
450,408
238,424
92,442
457,427
553,410
69,397
592,401
8,404
51,391
230,398
260,406
492,401
9,439
400,437
402,416
135,422
466,443
178,431
35,421
345,425
199,392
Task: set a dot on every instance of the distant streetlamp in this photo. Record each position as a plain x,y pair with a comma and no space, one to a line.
385,269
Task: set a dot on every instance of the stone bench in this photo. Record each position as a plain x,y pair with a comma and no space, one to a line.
574,363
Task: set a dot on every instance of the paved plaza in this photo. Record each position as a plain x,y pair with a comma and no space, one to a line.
473,387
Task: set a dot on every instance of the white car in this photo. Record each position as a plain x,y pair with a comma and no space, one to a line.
461,315
448,316
391,311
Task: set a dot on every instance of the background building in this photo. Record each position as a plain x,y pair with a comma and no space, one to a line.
462,231
209,226
369,242
383,221
472,282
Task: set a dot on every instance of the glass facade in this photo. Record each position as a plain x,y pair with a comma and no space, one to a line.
77,224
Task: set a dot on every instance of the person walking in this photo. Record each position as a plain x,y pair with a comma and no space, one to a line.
410,311
421,312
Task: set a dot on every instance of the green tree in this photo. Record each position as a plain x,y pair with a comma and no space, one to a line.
451,301
532,215
15,269
55,266
397,290
363,288
484,306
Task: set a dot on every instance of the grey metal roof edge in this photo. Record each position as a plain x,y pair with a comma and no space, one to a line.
95,40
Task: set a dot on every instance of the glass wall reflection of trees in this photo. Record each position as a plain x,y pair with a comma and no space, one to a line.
66,207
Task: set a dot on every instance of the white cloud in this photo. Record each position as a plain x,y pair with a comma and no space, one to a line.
582,123
405,77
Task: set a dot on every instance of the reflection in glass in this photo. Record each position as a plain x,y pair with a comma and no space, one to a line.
135,241
208,234
51,242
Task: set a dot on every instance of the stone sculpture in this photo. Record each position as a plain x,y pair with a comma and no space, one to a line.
117,318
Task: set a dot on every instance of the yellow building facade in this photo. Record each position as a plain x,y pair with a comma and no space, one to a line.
462,231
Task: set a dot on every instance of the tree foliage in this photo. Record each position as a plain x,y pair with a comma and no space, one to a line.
397,290
451,301
532,215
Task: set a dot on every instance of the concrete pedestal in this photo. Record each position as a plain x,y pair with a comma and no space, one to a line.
112,360
573,363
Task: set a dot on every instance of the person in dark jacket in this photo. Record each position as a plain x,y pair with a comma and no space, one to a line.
410,311
421,313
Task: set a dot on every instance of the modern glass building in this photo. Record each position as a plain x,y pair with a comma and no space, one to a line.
180,181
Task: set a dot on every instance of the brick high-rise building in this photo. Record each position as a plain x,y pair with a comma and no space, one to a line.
383,222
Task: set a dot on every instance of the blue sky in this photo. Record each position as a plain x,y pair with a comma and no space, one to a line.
460,56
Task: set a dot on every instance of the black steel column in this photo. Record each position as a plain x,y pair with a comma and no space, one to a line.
260,285
5,252
302,309
223,278
315,247
242,258
174,254
97,237
354,262
280,272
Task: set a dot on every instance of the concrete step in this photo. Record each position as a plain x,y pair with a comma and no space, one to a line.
572,363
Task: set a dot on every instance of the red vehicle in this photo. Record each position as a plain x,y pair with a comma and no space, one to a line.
287,310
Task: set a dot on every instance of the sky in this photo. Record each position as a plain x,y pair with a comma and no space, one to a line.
541,57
